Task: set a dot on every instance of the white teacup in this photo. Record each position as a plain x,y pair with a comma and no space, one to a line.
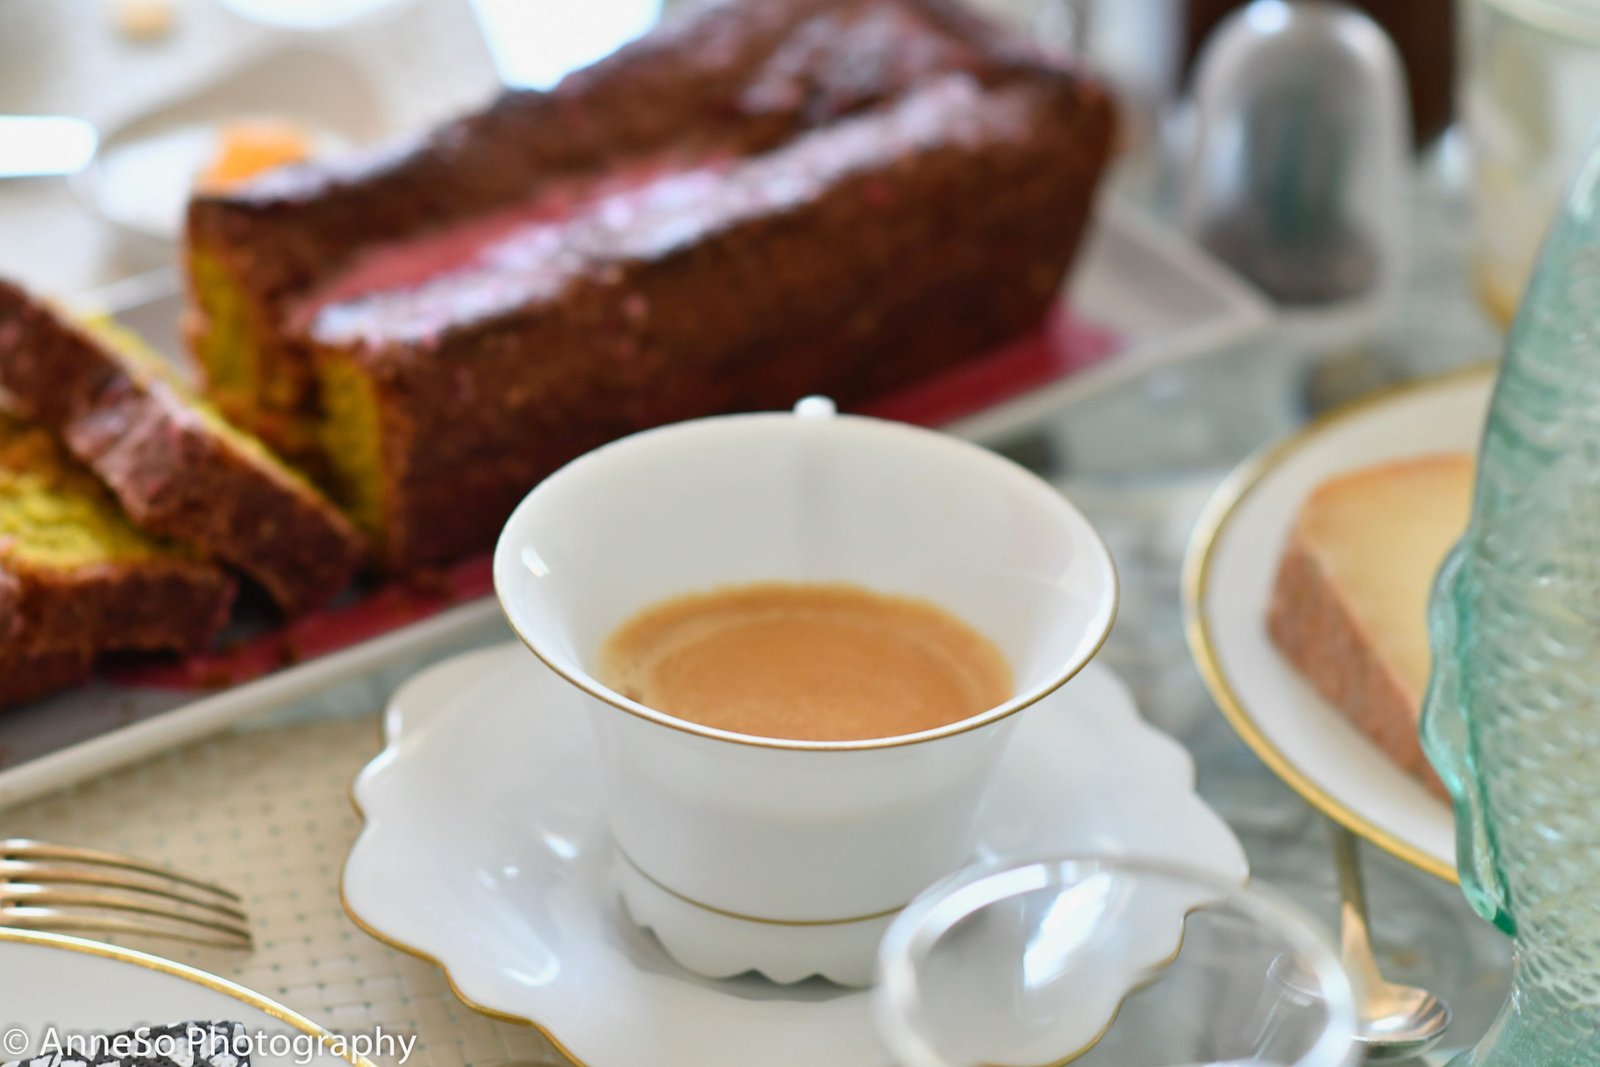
790,857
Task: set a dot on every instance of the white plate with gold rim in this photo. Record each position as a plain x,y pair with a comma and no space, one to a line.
485,851
1228,578
64,994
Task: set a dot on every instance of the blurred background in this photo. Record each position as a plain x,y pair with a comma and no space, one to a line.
158,81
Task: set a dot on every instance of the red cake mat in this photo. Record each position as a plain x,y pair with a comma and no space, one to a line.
1064,345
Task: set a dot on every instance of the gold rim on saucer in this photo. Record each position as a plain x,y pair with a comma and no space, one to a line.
192,975
417,953
566,1053
1219,512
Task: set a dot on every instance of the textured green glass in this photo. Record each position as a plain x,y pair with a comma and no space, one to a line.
1512,721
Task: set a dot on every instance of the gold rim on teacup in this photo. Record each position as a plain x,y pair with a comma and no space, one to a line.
1058,678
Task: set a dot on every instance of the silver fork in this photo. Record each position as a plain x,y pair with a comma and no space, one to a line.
77,890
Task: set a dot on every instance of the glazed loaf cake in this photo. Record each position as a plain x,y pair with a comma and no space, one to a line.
761,200
176,468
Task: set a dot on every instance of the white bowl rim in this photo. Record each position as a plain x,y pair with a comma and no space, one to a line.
1003,467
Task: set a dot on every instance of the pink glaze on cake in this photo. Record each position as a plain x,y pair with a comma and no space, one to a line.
404,265
517,267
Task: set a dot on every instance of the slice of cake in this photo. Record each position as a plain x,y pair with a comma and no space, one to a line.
176,467
1350,606
76,577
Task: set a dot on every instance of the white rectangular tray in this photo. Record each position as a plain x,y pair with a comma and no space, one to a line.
1165,299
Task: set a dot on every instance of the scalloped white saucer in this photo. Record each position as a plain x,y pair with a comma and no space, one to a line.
485,851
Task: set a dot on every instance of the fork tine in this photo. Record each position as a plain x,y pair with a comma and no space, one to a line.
24,872
25,849
15,897
59,921
23,895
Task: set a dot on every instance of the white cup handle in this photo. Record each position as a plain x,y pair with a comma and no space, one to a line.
815,407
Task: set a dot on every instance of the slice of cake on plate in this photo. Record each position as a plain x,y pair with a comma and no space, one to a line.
175,466
1350,605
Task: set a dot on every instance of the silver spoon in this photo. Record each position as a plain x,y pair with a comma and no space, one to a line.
1394,1022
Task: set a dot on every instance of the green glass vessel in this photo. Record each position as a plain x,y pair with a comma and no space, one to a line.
1512,720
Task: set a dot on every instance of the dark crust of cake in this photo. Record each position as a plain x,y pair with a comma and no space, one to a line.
158,604
537,270
25,677
739,76
173,472
724,79
950,235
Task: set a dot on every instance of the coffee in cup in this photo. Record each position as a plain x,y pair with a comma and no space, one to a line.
824,661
